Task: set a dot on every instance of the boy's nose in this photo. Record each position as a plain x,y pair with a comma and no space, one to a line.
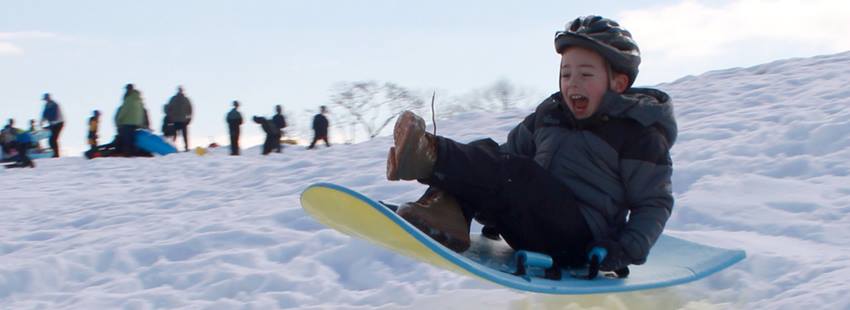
573,81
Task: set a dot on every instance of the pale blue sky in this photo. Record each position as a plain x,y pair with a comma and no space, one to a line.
285,52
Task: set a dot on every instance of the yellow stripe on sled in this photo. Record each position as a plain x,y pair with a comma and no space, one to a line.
355,217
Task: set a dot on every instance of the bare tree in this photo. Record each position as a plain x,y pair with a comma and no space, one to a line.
504,94
499,96
371,105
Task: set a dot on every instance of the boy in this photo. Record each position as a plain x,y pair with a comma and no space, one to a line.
590,168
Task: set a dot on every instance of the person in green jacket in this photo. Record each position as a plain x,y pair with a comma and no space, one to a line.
129,118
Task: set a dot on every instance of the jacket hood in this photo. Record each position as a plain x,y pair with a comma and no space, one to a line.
133,96
647,106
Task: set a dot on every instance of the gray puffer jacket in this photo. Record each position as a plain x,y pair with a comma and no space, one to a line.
617,162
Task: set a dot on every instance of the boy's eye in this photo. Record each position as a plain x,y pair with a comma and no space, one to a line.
565,75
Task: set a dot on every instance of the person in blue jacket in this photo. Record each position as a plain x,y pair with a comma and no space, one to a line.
18,140
52,115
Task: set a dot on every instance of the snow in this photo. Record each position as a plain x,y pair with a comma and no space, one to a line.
762,163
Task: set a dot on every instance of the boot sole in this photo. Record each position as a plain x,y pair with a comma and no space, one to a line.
406,127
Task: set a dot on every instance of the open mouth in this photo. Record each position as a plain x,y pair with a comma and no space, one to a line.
579,103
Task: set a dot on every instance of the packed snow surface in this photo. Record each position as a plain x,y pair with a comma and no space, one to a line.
761,163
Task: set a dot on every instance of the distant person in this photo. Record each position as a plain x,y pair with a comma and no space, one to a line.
129,118
94,122
178,111
320,128
280,122
53,116
234,120
17,141
272,134
34,132
7,138
34,129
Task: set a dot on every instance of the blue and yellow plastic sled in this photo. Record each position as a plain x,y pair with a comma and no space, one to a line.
673,261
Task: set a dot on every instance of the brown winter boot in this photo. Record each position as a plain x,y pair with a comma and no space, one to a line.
414,151
439,216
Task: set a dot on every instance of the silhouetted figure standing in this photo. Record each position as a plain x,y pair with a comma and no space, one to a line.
280,122
320,128
234,120
53,116
272,134
94,123
178,112
130,117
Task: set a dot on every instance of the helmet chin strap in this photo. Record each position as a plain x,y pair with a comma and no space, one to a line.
610,71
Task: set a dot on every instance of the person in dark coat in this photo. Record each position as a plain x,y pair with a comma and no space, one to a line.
234,120
320,128
178,112
52,114
272,134
280,122
589,169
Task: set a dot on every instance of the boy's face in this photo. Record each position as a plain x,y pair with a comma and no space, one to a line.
584,80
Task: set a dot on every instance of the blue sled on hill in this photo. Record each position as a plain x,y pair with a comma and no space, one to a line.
673,261
37,136
147,143
152,143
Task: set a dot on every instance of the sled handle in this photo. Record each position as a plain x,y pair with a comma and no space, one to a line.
595,257
526,260
598,252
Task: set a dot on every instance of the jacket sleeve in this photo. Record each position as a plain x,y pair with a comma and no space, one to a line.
521,138
44,113
646,170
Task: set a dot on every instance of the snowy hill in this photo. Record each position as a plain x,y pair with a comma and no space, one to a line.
762,163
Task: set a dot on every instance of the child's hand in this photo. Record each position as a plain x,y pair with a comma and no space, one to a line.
615,258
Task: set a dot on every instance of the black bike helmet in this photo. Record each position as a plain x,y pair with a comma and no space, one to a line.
607,38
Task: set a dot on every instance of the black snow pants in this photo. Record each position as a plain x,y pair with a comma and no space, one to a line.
234,139
55,130
525,203
127,140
